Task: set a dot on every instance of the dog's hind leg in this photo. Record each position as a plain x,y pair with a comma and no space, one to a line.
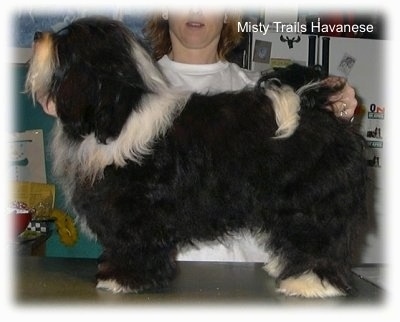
309,257
308,285
314,282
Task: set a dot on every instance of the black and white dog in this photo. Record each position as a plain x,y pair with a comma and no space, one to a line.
149,170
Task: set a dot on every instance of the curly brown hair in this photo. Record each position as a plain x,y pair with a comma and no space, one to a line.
156,31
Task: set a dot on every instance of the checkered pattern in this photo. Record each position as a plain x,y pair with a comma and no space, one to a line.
39,226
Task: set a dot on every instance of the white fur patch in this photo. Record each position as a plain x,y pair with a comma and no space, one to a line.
151,75
286,104
274,266
113,286
88,158
308,87
81,221
308,285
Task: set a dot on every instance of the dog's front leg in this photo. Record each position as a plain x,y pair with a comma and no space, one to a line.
135,271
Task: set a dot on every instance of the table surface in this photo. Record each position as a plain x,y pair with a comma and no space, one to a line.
41,280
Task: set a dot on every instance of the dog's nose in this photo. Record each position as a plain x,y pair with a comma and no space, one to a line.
37,35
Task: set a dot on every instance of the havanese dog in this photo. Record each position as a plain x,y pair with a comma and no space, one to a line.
149,169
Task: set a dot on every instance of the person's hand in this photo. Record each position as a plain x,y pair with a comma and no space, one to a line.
344,103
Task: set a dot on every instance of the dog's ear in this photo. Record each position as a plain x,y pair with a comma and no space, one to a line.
88,100
96,82
117,96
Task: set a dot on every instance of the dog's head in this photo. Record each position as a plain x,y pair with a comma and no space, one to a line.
91,75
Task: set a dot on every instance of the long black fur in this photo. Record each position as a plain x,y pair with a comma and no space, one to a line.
217,169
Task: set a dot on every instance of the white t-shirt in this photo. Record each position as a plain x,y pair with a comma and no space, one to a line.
215,78
219,77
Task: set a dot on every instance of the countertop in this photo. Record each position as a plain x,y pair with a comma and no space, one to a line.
46,280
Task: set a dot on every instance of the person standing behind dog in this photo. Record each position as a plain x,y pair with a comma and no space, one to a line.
191,48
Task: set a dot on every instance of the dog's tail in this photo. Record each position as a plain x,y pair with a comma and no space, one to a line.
286,105
293,88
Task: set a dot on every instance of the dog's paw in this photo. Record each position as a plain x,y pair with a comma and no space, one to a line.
114,287
308,285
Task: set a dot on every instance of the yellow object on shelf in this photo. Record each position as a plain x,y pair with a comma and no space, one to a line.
66,228
37,196
40,197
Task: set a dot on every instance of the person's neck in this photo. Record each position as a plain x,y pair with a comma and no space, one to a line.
194,56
